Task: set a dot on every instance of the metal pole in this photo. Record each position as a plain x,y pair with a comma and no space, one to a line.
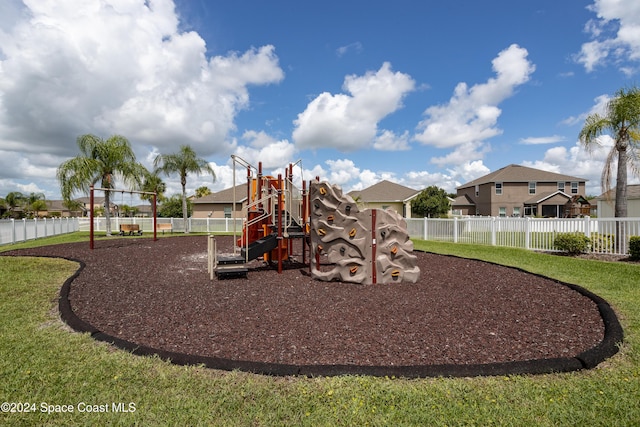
91,217
155,218
279,223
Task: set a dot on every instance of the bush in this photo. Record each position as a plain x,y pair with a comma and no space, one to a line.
603,243
572,243
634,247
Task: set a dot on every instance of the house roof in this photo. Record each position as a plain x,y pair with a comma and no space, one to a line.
56,205
463,200
225,196
633,192
385,191
539,198
518,173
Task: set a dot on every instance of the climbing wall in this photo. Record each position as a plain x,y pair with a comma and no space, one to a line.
368,246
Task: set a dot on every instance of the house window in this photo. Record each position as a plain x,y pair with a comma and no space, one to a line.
561,186
516,212
477,190
498,188
532,188
227,211
502,211
574,188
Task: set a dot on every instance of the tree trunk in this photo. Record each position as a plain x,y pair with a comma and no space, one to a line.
620,210
621,185
184,208
107,211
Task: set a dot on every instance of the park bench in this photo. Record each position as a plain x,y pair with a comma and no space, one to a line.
130,229
164,227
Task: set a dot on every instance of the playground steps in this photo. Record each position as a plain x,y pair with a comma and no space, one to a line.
231,266
260,247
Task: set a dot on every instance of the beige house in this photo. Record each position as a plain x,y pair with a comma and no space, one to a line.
606,202
516,191
221,204
386,195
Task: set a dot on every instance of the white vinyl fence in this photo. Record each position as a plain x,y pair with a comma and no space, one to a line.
21,230
196,225
607,235
527,233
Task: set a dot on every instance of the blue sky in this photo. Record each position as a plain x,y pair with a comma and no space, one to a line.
418,92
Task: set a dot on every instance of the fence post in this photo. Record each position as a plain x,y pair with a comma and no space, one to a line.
493,231
587,226
424,229
455,230
527,233
13,230
24,229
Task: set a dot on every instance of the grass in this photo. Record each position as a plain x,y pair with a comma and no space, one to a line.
43,363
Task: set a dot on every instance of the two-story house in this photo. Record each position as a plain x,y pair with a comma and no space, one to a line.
516,190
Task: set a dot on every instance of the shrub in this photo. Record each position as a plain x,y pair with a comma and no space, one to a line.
603,243
634,247
572,243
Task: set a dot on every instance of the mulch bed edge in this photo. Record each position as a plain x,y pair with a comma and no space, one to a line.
613,337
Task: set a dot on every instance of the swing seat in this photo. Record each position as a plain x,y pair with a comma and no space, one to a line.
131,229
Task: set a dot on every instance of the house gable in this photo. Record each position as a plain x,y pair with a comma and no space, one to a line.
387,195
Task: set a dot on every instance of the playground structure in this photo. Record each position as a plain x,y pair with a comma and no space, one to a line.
367,247
128,228
275,216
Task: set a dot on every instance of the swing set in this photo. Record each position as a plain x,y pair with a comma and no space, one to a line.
130,230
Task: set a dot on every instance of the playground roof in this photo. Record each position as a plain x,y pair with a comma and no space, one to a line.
385,191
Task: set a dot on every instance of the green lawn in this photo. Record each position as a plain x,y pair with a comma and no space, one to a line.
43,364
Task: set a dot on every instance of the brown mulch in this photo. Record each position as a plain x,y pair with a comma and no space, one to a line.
158,294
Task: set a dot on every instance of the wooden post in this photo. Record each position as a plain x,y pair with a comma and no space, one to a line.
91,217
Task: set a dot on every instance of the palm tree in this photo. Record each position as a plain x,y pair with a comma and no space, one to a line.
202,191
14,200
622,121
183,162
153,184
100,161
35,203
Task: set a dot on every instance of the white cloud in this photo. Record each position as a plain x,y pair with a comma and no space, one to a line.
462,154
599,107
350,121
542,140
615,35
351,47
389,141
74,67
264,148
471,115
